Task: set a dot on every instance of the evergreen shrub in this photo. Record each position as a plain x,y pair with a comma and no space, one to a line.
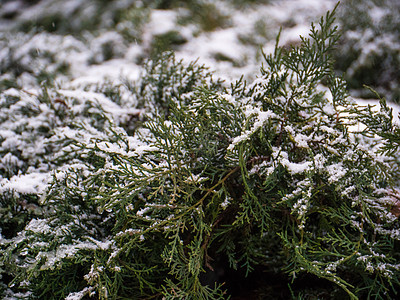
282,181
368,51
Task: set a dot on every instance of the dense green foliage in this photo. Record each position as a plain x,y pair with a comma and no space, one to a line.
369,49
191,186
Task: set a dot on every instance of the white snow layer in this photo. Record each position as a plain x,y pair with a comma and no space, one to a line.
33,183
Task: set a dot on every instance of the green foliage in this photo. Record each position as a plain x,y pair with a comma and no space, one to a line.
204,185
87,16
369,49
206,14
166,42
165,81
35,58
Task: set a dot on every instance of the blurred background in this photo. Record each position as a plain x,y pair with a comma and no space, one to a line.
50,40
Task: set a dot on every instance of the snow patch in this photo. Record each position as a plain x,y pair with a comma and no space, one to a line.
33,183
